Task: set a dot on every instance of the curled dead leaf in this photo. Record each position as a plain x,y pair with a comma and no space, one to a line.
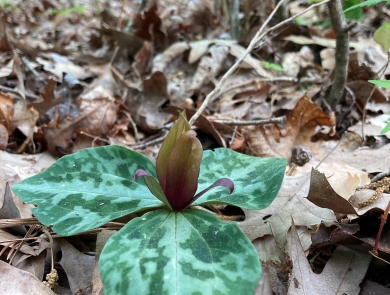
275,141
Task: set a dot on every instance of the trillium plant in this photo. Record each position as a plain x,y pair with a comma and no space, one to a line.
177,247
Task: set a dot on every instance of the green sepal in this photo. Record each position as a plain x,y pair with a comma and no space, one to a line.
156,190
174,253
256,180
87,189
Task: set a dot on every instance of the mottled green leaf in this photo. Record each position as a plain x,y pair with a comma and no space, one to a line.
175,253
89,188
256,180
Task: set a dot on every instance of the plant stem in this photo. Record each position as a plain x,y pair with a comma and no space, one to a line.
340,28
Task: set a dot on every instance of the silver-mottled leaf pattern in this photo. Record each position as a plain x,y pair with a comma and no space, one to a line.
256,180
89,188
172,253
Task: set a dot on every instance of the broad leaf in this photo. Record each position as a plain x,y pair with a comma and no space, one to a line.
381,83
352,9
187,252
256,180
89,188
382,36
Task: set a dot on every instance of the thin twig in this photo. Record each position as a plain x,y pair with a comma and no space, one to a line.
7,89
239,118
277,120
331,151
383,221
144,145
256,39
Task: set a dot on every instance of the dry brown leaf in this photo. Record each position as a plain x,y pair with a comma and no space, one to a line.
78,267
19,167
146,112
325,42
209,66
33,264
198,49
47,98
101,240
322,194
342,273
340,234
343,178
3,137
364,195
6,237
369,287
27,283
300,126
328,61
24,119
58,64
161,61
6,110
290,204
17,69
95,121
8,209
6,70
142,60
364,158
249,61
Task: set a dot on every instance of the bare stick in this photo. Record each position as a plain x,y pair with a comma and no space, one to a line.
340,28
277,120
11,90
256,39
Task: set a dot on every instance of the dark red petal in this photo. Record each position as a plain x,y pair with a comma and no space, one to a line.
139,173
183,170
165,152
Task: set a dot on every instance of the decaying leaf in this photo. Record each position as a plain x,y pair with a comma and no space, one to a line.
95,121
290,204
146,111
78,267
11,274
47,98
275,141
24,119
342,274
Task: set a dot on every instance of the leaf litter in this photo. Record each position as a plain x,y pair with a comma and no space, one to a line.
118,72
